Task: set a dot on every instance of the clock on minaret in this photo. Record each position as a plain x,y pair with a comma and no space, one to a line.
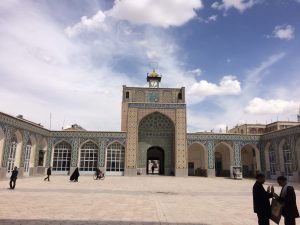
153,79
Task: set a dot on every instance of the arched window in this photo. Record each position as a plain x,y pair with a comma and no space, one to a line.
115,157
62,157
27,156
12,154
88,157
272,159
287,156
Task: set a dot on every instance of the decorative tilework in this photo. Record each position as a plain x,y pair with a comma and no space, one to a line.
49,151
25,138
237,153
156,130
74,153
156,106
8,131
211,155
153,96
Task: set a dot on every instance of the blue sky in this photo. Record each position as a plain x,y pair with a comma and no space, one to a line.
238,59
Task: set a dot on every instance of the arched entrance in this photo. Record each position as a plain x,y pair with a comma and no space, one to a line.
42,154
61,158
14,153
155,161
286,159
250,160
298,152
88,161
2,138
156,131
223,159
115,158
197,160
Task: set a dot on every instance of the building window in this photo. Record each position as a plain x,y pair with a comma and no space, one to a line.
12,155
41,158
272,159
127,94
88,157
115,157
27,156
179,96
62,157
288,162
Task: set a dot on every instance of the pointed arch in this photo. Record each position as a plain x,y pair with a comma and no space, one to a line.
88,156
197,159
250,159
155,113
297,150
282,144
223,159
115,158
42,152
18,156
28,154
271,159
156,129
286,156
2,144
61,157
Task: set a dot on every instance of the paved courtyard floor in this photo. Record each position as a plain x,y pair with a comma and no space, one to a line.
149,200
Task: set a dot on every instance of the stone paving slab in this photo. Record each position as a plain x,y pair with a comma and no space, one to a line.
149,200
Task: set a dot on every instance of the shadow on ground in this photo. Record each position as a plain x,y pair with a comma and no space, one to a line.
86,222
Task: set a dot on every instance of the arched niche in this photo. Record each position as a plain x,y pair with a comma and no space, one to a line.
223,159
197,160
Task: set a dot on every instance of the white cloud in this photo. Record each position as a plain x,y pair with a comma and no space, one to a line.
87,24
255,74
240,5
285,32
213,18
215,5
157,13
196,72
271,106
228,85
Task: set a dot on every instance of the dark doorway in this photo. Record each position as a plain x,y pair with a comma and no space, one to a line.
155,161
191,170
218,164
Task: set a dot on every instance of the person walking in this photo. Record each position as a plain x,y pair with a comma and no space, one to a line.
152,168
261,200
288,198
13,178
75,175
48,174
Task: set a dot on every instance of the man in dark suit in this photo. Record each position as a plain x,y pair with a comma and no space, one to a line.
13,178
288,198
261,202
48,174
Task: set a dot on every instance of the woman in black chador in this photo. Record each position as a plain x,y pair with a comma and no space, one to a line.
75,175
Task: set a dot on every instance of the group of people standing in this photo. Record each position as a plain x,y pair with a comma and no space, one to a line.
287,199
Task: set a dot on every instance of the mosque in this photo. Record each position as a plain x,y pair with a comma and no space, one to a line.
153,140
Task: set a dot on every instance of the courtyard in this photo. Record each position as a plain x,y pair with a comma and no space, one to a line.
130,200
